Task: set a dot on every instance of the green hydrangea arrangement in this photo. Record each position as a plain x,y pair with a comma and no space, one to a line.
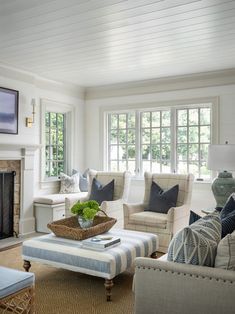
87,209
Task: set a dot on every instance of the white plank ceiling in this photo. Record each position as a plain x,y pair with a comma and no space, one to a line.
96,42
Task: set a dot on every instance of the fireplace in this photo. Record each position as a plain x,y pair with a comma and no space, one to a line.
7,204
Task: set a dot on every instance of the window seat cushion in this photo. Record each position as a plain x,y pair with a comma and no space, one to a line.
52,199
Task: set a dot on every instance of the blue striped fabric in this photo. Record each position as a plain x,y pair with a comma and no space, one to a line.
70,254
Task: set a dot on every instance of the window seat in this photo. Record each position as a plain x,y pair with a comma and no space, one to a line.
51,207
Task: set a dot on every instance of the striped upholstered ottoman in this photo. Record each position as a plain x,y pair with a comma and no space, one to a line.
107,264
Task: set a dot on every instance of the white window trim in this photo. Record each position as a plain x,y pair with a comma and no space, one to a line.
69,110
105,110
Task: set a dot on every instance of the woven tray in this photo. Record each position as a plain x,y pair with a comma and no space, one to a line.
69,227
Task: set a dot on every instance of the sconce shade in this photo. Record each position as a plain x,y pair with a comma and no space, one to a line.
221,157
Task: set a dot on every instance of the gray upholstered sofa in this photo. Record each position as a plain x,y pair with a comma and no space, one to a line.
172,288
163,287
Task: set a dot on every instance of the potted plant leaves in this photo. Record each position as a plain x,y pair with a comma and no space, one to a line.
86,212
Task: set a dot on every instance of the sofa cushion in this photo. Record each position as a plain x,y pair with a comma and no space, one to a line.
197,243
101,193
13,280
161,201
153,219
225,257
193,217
53,199
228,216
69,184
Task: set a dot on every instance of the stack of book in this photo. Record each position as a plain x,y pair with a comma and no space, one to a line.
100,243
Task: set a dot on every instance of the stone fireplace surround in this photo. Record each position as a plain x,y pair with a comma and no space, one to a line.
23,155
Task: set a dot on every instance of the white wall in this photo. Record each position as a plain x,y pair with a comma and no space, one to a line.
33,87
121,97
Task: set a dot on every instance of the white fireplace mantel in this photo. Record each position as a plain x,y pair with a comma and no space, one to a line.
25,153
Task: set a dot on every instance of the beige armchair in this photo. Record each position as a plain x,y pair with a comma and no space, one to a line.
121,190
164,225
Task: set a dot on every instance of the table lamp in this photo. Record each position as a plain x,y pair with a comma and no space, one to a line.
222,158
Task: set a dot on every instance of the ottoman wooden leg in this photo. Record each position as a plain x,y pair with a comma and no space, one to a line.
154,255
26,265
108,287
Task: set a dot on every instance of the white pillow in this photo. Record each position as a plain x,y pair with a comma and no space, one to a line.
69,184
225,257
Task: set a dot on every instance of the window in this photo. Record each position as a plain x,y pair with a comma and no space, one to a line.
173,139
54,143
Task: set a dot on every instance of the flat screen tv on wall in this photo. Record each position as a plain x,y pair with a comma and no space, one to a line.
9,110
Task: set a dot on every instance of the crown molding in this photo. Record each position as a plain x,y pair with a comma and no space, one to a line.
41,82
207,79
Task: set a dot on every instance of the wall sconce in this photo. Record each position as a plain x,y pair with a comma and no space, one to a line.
30,120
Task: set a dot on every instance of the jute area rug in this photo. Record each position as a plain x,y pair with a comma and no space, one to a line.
62,291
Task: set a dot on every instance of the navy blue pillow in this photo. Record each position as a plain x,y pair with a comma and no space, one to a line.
193,217
227,216
161,201
101,193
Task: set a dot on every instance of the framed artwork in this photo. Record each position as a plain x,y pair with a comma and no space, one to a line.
9,99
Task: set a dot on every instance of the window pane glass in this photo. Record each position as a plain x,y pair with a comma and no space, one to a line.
205,116
60,121
53,119
146,152
145,119
122,136
122,121
122,152
193,168
156,136
113,136
113,152
166,135
166,166
182,167
205,134
193,116
60,153
146,166
156,166
204,151
205,173
131,120
193,134
156,119
114,120
122,165
47,119
182,150
182,117
193,152
166,118
146,136
113,166
131,152
131,136
182,135
131,166
156,152
166,152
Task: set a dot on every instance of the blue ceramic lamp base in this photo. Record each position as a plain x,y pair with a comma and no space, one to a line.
222,187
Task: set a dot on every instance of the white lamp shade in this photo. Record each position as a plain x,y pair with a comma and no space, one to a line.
221,157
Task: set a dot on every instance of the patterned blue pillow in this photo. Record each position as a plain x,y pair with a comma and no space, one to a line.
100,193
197,244
228,216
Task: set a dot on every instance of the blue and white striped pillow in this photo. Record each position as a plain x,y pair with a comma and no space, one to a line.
197,243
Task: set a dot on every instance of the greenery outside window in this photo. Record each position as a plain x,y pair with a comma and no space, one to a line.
54,143
173,139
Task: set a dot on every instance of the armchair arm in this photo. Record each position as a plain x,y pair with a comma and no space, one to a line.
114,209
132,208
202,289
177,218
